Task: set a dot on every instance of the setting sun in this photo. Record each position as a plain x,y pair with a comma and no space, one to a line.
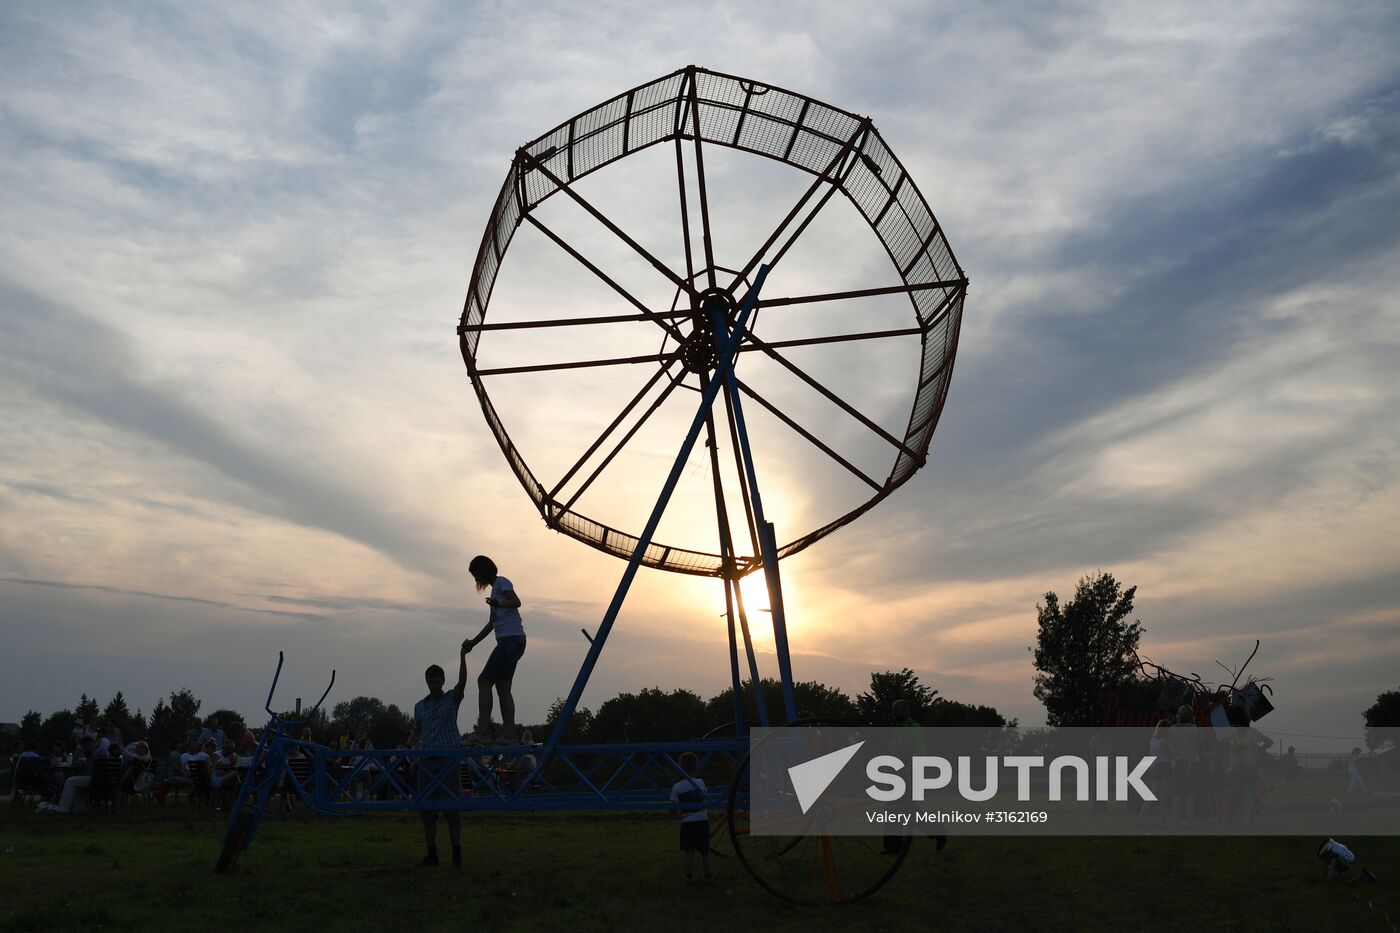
755,590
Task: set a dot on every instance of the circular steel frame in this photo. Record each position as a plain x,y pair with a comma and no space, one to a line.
844,152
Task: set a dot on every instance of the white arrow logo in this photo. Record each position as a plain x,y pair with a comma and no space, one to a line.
811,778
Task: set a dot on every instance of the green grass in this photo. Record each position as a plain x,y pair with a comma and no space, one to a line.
153,870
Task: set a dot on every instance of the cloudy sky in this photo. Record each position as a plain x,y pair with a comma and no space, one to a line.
235,241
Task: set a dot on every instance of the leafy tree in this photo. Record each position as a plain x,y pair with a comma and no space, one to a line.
873,706
319,723
87,709
580,728
184,705
30,725
227,718
1383,714
1084,649
391,728
814,701
943,712
652,715
386,726
58,727
357,714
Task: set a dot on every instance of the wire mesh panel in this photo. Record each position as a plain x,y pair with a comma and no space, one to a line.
702,106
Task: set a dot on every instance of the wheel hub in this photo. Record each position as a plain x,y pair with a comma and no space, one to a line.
700,352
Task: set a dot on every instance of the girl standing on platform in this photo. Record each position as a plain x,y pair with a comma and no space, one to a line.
499,669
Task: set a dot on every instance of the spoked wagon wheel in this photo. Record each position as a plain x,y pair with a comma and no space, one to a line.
808,868
719,828
851,380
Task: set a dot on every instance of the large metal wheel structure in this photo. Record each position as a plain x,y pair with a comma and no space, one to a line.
692,110
708,335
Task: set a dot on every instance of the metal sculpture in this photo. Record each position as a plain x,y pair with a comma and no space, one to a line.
709,326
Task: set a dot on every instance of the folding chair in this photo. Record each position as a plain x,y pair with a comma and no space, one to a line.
106,783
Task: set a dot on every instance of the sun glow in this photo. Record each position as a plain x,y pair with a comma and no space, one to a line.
759,607
754,588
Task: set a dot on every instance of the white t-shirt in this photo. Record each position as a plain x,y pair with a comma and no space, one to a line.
690,794
505,622
1341,852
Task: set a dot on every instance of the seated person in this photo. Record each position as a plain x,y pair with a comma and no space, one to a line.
137,776
224,778
202,757
30,771
526,762
78,784
177,768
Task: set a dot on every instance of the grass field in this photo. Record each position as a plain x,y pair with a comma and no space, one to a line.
153,870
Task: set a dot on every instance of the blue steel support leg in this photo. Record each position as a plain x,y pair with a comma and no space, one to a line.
754,678
765,533
768,541
726,544
734,681
723,369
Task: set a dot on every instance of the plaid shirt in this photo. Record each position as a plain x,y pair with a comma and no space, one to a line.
436,720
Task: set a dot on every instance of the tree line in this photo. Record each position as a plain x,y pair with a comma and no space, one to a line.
651,714
1085,650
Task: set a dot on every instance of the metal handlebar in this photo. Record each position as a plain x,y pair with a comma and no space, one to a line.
268,705
323,696
273,689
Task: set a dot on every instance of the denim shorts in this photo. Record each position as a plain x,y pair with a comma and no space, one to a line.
500,667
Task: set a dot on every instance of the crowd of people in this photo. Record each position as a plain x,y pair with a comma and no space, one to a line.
98,761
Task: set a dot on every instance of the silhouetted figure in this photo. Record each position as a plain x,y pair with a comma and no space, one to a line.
435,727
499,669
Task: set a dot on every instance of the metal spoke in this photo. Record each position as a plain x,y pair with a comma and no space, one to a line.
808,435
568,322
578,364
700,180
685,213
765,303
656,264
627,410
651,410
836,338
831,396
861,293
825,176
631,299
